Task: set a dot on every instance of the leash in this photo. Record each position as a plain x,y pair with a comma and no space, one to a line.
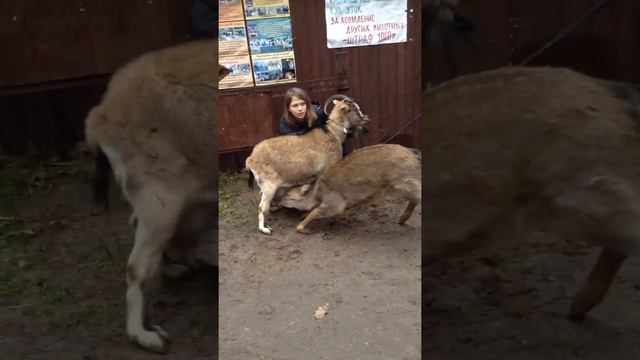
360,133
403,128
592,11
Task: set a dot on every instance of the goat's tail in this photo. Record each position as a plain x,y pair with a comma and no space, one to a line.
101,179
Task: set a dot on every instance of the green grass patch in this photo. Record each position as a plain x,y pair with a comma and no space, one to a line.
14,239
19,176
229,209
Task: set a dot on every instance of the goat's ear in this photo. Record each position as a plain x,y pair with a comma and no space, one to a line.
222,72
335,102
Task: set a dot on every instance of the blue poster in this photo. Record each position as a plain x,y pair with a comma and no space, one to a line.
269,35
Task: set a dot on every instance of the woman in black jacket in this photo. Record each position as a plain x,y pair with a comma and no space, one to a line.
301,115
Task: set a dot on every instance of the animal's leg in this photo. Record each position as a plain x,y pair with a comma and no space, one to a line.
407,212
150,241
206,252
187,260
325,209
313,214
268,192
195,237
597,285
175,264
411,191
613,203
175,270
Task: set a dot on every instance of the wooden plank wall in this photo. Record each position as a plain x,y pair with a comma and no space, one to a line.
59,56
54,40
606,45
507,32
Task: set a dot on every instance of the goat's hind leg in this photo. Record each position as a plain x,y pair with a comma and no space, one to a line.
411,192
144,260
613,202
268,191
597,284
406,214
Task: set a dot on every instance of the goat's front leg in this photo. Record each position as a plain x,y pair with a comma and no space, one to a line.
407,212
310,216
268,192
325,209
150,241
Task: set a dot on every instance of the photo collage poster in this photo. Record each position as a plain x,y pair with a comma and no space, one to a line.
256,43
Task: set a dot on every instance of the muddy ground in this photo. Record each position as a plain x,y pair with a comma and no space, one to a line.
362,263
62,267
512,304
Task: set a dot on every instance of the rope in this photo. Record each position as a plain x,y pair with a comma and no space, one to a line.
594,9
403,128
360,134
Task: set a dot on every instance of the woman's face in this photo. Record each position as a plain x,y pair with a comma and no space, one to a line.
298,108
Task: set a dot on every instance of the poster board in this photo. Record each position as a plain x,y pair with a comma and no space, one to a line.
256,43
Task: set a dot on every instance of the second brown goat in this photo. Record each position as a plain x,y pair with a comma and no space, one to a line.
363,174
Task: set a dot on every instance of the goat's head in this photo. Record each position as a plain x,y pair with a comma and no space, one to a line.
346,112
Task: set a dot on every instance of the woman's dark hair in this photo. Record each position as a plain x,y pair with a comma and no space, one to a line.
291,121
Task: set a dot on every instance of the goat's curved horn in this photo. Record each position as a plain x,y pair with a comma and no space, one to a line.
358,108
330,99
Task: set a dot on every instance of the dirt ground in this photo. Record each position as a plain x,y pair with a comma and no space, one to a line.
62,268
362,263
512,304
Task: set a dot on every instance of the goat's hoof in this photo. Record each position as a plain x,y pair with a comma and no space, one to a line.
266,230
302,230
153,341
402,220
